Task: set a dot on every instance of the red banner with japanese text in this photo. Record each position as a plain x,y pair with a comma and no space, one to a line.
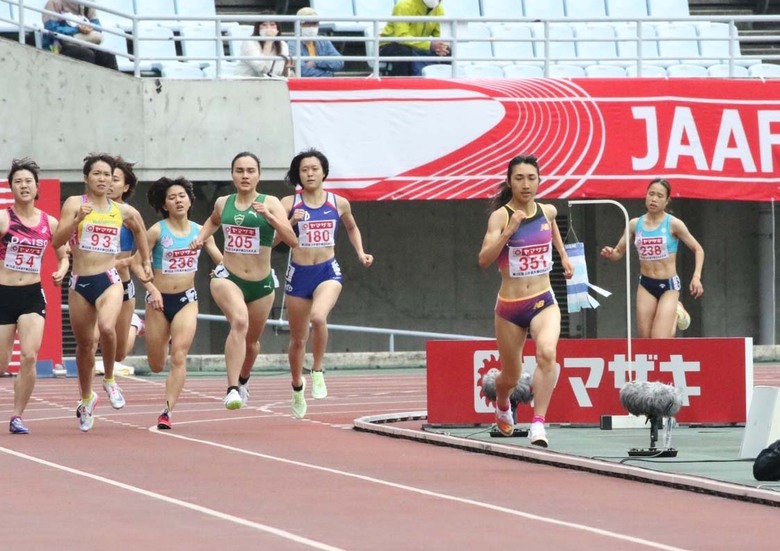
715,377
395,139
51,346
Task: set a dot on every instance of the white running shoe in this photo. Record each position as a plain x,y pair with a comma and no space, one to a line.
318,388
299,402
243,391
233,400
85,411
504,421
114,395
537,435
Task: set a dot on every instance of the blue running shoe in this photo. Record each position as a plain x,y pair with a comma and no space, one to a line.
16,426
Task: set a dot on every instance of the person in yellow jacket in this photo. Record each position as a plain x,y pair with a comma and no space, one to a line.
412,29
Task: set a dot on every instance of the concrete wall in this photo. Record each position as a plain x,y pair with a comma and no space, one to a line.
425,275
56,110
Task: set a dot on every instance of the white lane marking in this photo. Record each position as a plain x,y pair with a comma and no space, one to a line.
173,501
404,487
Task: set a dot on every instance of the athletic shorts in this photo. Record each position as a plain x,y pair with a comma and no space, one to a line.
302,281
18,300
174,302
658,287
129,288
91,287
522,310
252,290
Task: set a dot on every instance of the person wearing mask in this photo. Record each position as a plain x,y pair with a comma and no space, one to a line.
266,57
327,58
79,22
406,29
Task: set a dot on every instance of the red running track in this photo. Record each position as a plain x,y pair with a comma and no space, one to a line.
257,479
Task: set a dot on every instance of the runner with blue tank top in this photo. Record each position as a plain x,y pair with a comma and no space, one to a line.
656,235
171,299
243,284
313,280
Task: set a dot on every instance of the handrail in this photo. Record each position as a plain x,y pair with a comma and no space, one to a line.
392,333
456,25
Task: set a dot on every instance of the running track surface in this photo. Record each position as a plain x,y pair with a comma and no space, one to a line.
257,479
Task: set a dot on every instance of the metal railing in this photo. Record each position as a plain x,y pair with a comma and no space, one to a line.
457,33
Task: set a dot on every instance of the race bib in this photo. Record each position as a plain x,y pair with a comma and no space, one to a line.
530,260
179,261
317,233
99,239
652,248
23,258
241,240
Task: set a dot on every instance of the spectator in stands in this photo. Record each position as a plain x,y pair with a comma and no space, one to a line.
78,22
268,58
25,232
404,29
243,285
328,57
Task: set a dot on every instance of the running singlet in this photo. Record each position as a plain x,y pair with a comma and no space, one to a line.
655,244
21,248
529,251
172,254
245,230
99,231
319,225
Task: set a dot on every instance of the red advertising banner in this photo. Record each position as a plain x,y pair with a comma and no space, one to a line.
714,375
395,139
51,347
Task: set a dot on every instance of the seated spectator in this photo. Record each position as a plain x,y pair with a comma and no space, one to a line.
269,58
80,24
328,57
406,29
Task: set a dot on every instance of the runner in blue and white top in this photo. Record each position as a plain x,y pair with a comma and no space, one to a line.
656,235
313,280
171,299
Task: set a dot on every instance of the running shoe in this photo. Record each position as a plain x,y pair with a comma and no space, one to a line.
243,391
505,422
537,435
84,413
164,420
233,400
138,323
683,317
299,402
318,388
16,426
114,395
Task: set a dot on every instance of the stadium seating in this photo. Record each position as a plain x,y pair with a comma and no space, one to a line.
673,9
501,8
523,71
686,70
337,8
156,44
237,35
374,9
478,50
714,44
544,9
766,70
227,69
604,71
199,43
584,9
181,71
678,42
440,71
117,44
513,43
595,43
561,43
158,8
725,70
111,19
467,9
562,70
8,26
648,71
626,9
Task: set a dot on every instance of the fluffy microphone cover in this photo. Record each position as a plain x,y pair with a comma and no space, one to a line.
654,400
